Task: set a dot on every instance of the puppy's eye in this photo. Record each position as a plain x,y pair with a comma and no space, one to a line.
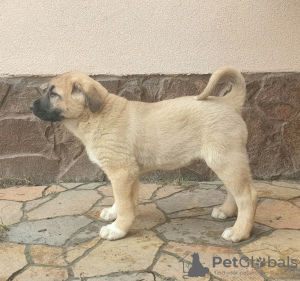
53,95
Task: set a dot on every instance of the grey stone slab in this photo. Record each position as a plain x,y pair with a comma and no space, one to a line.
71,202
32,204
87,234
70,185
191,198
3,235
52,232
209,185
216,182
135,252
91,185
10,212
142,276
202,231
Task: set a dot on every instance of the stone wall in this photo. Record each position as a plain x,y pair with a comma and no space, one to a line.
43,152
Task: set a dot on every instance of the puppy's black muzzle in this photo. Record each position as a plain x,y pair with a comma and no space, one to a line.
42,109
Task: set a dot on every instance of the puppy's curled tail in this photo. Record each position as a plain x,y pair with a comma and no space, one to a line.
237,95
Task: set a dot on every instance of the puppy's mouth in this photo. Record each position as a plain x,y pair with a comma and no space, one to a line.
45,113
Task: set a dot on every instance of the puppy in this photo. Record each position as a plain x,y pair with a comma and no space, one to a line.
126,138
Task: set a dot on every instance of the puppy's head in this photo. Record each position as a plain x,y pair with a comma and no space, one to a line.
68,96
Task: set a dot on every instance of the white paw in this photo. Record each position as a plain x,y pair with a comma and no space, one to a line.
229,235
109,214
218,214
111,232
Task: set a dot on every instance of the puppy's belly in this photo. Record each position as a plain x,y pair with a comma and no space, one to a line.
166,163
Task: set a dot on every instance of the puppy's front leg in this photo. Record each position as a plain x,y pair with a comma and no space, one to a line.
125,190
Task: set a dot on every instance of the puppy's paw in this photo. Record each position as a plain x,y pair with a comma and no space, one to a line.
230,234
111,232
109,214
218,214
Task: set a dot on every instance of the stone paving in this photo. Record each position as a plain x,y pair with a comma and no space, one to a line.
51,233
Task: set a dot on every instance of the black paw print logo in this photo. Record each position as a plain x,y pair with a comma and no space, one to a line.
261,262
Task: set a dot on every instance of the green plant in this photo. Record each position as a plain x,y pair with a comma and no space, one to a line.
5,227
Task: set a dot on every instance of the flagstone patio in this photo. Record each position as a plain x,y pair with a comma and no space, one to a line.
52,233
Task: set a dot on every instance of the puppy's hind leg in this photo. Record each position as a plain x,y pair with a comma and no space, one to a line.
234,171
246,200
227,210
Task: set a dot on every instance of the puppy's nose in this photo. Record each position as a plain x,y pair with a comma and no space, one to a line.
31,107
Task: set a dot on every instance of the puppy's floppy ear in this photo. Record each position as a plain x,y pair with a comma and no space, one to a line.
92,98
